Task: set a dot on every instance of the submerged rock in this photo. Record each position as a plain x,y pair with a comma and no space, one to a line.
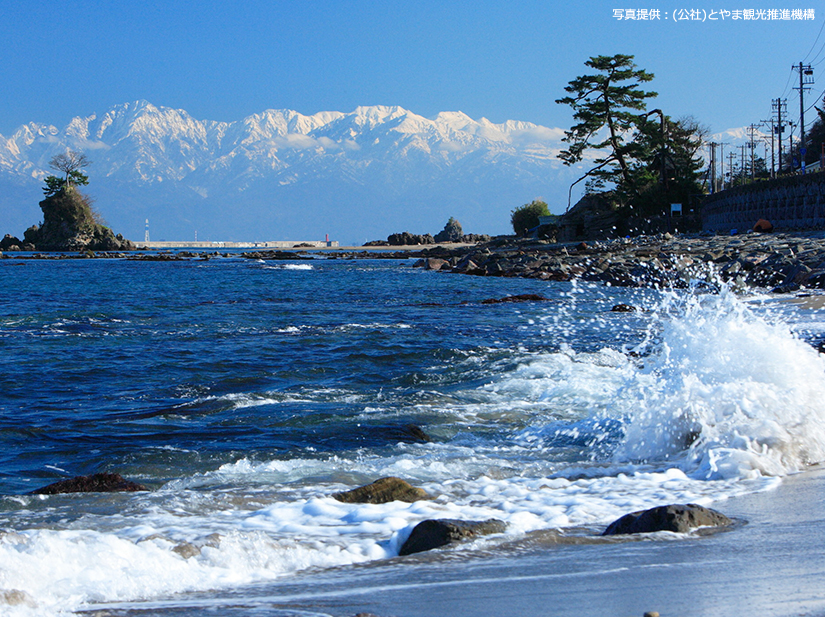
186,550
518,298
96,483
16,597
434,533
409,433
677,518
384,490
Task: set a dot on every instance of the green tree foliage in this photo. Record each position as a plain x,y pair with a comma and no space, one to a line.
69,164
527,216
606,106
815,137
667,165
650,159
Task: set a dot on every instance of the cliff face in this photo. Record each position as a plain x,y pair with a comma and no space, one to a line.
69,225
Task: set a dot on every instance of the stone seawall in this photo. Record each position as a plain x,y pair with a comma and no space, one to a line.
792,203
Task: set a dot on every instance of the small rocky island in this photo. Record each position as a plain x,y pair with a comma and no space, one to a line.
69,221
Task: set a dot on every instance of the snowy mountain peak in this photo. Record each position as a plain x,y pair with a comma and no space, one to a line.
274,169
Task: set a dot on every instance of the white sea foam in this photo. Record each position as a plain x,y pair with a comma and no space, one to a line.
724,400
745,395
290,267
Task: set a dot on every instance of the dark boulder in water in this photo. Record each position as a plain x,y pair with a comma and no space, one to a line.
677,518
409,433
518,298
434,533
384,490
623,308
96,483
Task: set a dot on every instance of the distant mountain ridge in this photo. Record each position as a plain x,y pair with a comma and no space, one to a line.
280,174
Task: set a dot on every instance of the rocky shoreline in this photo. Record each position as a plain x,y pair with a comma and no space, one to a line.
778,262
781,263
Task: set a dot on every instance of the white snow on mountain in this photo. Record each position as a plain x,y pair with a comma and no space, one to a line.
280,174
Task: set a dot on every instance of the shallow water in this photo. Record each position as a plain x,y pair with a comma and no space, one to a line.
245,393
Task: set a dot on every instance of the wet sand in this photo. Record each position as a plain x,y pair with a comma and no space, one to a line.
770,565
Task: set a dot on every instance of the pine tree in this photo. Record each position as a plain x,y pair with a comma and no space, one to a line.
608,101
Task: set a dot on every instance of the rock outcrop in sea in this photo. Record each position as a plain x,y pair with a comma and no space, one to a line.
96,483
452,233
69,224
384,490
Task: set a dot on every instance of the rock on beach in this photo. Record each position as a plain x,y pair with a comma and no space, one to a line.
784,262
677,518
434,533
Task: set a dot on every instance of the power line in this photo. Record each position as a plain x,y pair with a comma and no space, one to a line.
814,62
785,89
815,42
817,99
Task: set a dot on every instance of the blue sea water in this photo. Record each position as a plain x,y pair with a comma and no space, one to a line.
245,393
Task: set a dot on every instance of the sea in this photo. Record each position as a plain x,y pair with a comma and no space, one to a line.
245,393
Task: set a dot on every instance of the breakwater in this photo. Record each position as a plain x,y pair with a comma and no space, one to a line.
278,244
791,203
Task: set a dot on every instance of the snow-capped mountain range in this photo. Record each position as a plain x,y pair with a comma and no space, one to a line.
283,175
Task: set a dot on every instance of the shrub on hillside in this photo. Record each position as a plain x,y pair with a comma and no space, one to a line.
527,216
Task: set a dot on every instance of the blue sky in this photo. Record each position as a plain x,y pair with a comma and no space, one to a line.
501,60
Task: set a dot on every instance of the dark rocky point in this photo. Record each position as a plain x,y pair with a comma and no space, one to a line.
97,483
384,490
434,533
677,518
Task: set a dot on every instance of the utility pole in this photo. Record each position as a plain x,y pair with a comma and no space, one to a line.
790,145
712,167
731,159
773,153
743,170
779,106
722,162
806,78
752,129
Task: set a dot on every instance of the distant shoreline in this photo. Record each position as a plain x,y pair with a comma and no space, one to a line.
209,244
779,262
286,245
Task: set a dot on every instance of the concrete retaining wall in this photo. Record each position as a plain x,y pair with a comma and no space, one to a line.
795,202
